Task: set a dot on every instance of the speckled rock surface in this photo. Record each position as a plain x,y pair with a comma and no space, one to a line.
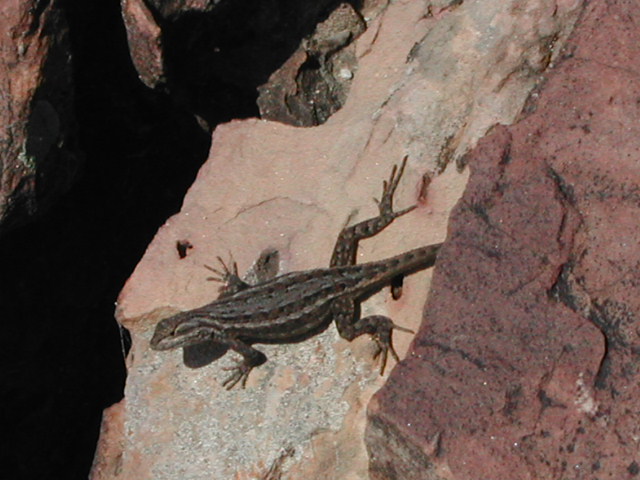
38,155
526,366
145,42
430,82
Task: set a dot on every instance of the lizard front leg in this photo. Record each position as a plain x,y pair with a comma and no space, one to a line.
229,278
344,252
251,358
344,311
265,268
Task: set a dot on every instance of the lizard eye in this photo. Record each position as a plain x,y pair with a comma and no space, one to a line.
181,328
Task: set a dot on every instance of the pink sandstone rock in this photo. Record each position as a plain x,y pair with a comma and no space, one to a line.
526,364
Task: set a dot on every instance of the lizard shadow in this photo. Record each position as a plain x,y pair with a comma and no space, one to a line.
202,354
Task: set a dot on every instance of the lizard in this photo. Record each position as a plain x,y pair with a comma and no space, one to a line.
298,305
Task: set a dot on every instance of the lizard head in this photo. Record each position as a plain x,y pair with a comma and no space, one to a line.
180,330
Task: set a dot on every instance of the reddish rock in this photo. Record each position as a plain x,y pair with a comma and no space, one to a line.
526,364
111,435
38,157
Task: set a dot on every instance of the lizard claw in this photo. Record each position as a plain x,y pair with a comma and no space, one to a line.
384,342
240,374
224,275
403,211
231,281
402,329
385,205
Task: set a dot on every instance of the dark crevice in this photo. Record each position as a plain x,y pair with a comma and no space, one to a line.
608,316
37,11
62,350
217,57
457,351
547,402
565,189
561,290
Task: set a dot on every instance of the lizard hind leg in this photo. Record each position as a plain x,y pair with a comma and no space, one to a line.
264,268
385,204
379,327
251,358
382,336
344,252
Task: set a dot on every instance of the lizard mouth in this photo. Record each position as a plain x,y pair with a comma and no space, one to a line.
161,341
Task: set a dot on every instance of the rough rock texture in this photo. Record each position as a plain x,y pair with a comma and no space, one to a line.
526,366
313,84
430,81
38,157
194,50
145,42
